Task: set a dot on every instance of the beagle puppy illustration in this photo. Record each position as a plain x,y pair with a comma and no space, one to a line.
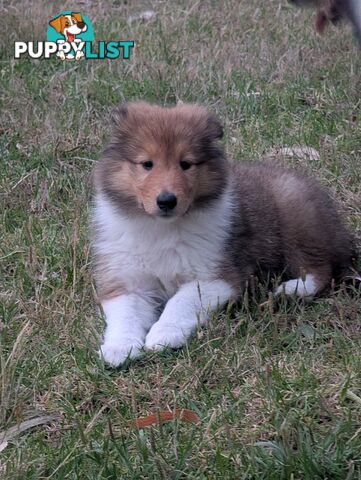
69,26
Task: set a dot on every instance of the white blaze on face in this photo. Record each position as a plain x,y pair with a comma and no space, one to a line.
69,19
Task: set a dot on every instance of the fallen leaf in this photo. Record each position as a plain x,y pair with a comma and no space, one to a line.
3,446
300,152
352,396
182,414
17,430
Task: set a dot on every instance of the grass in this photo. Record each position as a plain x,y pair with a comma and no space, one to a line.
277,387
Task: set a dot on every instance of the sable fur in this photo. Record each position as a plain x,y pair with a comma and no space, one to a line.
159,274
283,222
285,225
141,132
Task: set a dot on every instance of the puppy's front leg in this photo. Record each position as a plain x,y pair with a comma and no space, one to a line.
128,318
189,306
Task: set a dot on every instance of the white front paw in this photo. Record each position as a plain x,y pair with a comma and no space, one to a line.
114,354
79,55
161,336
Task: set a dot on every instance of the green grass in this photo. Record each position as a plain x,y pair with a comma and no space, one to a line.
277,387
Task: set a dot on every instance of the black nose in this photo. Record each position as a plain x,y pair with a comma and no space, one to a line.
166,201
81,24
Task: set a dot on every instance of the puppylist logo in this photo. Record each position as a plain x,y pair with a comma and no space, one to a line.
70,36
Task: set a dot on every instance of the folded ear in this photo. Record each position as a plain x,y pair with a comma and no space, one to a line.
77,16
58,23
214,128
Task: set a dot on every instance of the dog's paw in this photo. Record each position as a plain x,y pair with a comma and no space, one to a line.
79,55
162,336
114,354
298,287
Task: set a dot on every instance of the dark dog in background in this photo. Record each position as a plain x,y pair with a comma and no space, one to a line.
333,11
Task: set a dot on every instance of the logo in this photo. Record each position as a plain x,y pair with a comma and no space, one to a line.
70,36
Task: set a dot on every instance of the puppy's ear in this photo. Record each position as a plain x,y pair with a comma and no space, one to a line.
214,128
119,114
77,16
57,24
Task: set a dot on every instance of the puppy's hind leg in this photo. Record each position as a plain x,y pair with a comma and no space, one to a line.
307,285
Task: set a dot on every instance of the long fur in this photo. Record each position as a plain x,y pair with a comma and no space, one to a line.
231,221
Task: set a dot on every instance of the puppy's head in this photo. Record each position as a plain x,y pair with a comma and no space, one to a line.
72,23
162,162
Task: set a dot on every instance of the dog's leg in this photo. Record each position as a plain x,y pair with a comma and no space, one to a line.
128,319
302,287
189,307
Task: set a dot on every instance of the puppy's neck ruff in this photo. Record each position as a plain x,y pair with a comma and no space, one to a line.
147,249
217,215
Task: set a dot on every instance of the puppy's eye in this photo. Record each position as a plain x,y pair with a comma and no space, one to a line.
148,165
185,165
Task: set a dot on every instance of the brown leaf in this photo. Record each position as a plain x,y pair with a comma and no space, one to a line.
182,414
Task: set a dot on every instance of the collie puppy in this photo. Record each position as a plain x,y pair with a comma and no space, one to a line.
334,10
179,230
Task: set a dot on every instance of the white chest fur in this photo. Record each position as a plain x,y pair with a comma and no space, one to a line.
144,250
